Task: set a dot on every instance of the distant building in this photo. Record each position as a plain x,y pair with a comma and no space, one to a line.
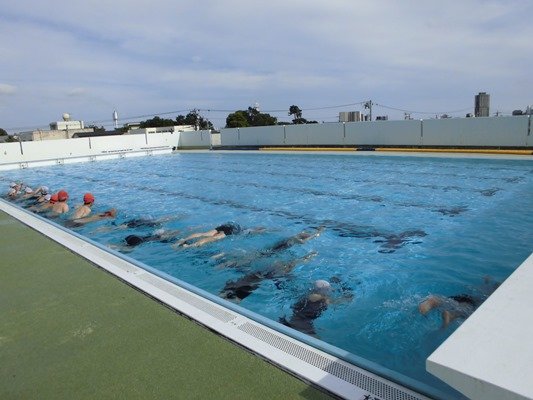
172,129
482,105
382,118
349,116
65,129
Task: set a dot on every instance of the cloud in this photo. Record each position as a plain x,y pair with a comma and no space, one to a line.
165,55
6,89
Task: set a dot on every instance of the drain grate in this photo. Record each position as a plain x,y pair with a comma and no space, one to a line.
181,294
342,371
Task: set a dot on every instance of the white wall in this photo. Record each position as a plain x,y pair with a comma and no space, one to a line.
25,154
9,153
314,134
230,137
459,132
483,131
383,133
195,139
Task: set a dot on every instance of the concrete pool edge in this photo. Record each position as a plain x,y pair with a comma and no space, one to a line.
487,357
310,364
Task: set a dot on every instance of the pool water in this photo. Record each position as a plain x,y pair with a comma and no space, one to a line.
396,229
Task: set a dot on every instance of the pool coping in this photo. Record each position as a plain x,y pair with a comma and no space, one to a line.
311,364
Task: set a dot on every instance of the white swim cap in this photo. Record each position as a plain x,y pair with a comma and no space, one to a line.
28,189
47,197
12,184
44,189
322,285
159,232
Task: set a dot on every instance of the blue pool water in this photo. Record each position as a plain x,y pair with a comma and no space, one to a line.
396,230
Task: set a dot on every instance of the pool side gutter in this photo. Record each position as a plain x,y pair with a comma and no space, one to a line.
309,363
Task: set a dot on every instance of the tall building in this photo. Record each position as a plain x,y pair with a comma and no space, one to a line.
349,116
482,105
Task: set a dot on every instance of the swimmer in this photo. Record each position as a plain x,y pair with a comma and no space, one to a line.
458,306
41,194
28,193
84,210
137,223
300,238
160,235
61,207
202,238
43,205
243,287
14,190
109,214
311,306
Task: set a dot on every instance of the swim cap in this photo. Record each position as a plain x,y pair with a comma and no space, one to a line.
12,184
322,285
133,240
44,189
47,197
88,198
62,195
28,189
230,228
54,198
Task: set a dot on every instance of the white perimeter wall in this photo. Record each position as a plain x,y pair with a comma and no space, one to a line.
195,139
475,132
24,154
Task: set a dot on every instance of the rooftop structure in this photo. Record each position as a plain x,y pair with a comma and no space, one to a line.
482,105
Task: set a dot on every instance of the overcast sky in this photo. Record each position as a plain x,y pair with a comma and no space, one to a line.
146,58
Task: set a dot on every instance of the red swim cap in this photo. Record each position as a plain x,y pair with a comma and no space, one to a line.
62,195
54,198
88,198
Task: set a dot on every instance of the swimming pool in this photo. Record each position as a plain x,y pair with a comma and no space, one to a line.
396,230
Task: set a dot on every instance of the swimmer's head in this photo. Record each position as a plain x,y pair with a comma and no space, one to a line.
44,190
133,240
28,190
230,228
88,198
322,286
159,232
47,197
62,195
54,198
12,185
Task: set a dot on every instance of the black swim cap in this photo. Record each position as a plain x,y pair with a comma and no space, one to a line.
229,228
133,240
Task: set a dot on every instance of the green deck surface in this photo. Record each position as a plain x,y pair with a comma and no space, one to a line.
69,330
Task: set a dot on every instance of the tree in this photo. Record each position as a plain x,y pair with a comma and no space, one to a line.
238,119
297,113
250,117
256,118
3,132
156,122
194,118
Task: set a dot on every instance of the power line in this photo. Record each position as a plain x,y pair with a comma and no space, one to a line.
423,112
136,117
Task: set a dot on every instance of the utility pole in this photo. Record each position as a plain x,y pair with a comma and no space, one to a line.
368,105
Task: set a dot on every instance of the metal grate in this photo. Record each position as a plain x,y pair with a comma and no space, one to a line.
342,371
181,294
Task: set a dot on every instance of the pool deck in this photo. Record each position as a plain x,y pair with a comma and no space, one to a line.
71,330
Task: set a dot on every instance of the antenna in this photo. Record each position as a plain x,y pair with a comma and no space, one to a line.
115,118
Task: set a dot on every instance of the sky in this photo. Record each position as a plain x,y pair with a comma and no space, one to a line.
167,57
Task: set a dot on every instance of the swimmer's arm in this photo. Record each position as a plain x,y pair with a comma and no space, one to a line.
93,218
207,240
212,232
